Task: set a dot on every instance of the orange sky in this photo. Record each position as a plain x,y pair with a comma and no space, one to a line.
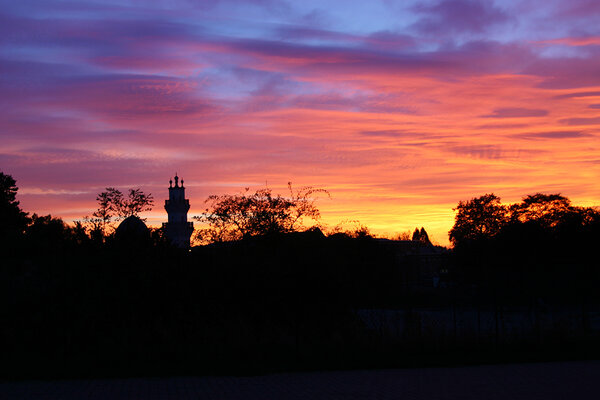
400,111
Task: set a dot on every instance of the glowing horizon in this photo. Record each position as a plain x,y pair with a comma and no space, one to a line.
400,110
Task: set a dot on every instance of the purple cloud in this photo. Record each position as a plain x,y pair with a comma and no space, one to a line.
394,134
566,72
579,8
458,16
581,121
306,32
53,87
552,135
390,41
501,126
578,94
471,58
478,151
516,112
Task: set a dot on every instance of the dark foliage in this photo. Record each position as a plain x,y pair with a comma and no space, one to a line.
241,216
421,236
12,219
282,302
477,219
73,306
541,247
114,206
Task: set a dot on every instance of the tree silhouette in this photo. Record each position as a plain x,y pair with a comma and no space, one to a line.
49,234
421,236
12,219
112,204
526,243
235,217
135,203
548,210
105,210
479,218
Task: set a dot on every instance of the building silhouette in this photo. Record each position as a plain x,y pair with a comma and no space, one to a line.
132,230
178,230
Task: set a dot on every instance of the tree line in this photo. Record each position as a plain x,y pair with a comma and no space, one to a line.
539,248
249,214
271,292
485,218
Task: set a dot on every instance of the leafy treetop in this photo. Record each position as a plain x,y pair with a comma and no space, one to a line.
235,217
477,218
485,217
113,205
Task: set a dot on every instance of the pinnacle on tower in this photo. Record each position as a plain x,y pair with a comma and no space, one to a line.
178,230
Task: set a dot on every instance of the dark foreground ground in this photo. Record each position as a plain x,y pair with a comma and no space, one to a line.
563,380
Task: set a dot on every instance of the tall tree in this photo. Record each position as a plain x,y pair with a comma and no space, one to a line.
113,205
12,219
106,208
479,218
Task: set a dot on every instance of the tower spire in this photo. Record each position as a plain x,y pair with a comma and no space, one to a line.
178,230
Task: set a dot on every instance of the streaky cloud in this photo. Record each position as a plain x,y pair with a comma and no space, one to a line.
458,16
578,94
552,135
581,121
516,112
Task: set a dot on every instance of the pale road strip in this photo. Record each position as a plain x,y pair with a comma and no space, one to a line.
547,381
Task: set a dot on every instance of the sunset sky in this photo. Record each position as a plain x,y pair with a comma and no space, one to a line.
399,108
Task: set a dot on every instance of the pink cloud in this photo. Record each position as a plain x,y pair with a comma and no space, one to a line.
574,41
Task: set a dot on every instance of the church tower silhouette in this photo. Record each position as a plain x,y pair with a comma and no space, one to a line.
178,230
